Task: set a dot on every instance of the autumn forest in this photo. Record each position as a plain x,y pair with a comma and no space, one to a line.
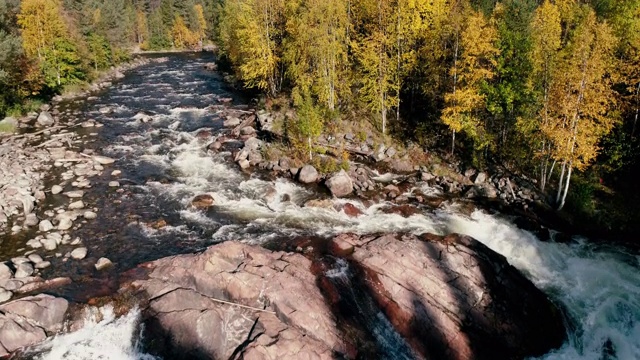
550,88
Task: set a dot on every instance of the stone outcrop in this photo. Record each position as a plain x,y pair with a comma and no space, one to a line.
281,313
448,297
29,321
453,298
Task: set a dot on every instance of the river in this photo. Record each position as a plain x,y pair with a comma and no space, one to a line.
164,165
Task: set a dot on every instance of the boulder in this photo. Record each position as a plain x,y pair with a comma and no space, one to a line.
308,174
454,298
340,184
45,119
281,314
401,166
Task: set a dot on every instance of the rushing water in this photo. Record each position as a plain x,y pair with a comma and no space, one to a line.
164,165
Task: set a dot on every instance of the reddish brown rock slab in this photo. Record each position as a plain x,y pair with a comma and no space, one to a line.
281,313
349,209
454,298
30,320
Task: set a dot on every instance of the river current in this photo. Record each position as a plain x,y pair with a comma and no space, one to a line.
164,165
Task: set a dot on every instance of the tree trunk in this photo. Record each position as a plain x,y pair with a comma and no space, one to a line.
566,189
564,167
310,149
453,142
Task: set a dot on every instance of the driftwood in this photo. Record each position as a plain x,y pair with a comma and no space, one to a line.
244,123
349,149
35,133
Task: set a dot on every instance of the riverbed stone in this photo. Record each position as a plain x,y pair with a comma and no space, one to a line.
308,174
79,253
31,220
340,184
76,205
203,201
90,215
65,224
23,270
103,263
114,184
45,225
74,194
5,272
5,295
49,244
34,243
35,258
43,265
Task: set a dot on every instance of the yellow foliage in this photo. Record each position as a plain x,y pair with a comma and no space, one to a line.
183,38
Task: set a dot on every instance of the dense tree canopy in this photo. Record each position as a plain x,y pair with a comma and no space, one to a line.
549,87
536,84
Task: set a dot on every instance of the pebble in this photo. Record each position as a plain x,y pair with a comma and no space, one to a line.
35,258
34,243
114,184
76,205
103,263
75,194
12,284
103,160
43,265
19,260
90,215
79,253
116,173
45,225
56,189
23,270
5,295
5,272
31,220
65,224
49,244
76,242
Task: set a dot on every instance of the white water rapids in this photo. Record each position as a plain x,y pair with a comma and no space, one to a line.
598,286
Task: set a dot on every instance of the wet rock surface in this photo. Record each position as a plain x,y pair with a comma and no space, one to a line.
452,297
449,297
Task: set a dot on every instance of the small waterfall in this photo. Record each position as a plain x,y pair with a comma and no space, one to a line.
360,308
102,336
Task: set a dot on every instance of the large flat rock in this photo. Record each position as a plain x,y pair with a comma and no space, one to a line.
453,298
30,320
190,296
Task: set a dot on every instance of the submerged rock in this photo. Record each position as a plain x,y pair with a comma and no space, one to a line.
103,263
203,201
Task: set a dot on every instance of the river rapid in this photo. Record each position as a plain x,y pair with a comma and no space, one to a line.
164,165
